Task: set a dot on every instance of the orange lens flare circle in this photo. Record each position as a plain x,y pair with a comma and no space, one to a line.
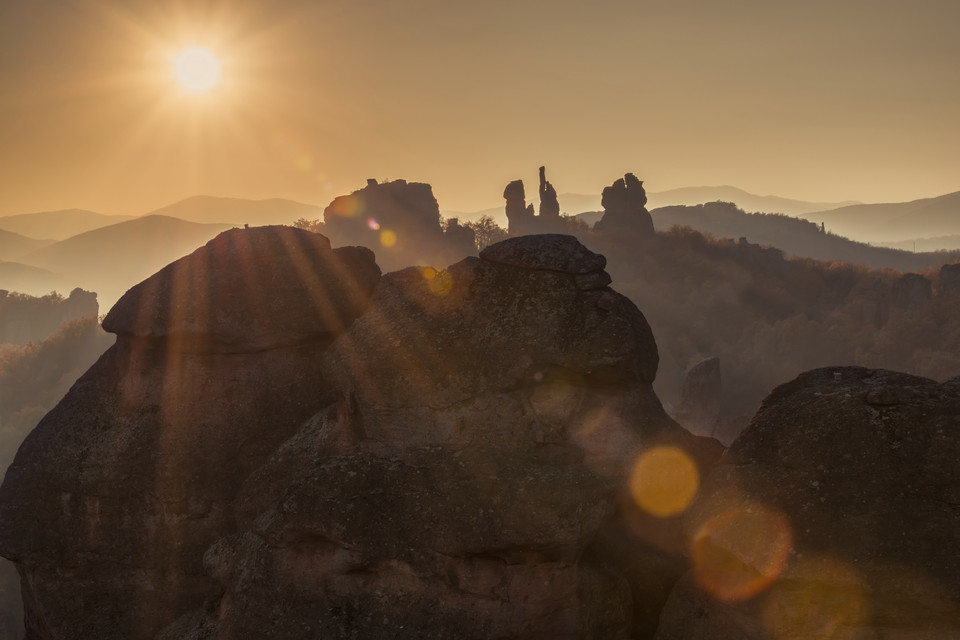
664,481
740,552
817,597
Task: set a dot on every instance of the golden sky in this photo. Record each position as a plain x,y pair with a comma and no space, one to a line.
818,100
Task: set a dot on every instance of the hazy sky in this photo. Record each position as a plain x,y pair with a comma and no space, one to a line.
818,100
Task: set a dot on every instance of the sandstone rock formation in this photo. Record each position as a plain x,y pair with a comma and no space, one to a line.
520,216
624,206
699,410
835,514
452,461
117,493
460,239
399,220
26,319
549,205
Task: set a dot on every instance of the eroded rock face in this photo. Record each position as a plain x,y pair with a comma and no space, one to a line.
700,398
455,462
454,488
834,514
549,205
948,280
520,217
115,496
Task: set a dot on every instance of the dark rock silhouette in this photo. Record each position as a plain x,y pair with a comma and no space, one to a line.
549,205
699,410
624,205
948,280
910,292
519,216
399,220
461,240
128,480
451,463
836,509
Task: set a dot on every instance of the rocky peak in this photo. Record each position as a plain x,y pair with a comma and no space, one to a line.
624,205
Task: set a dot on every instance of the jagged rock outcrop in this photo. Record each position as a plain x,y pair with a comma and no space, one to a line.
399,220
549,205
624,208
700,397
520,216
836,513
458,460
910,291
948,280
114,497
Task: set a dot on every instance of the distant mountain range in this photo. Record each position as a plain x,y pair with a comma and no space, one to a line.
40,252
13,245
795,237
57,225
895,222
238,212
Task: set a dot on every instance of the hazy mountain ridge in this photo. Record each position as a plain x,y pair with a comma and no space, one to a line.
895,221
13,245
57,225
111,259
794,236
34,281
239,211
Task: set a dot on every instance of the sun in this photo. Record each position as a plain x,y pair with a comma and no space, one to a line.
196,70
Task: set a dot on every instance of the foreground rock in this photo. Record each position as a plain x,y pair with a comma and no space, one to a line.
115,496
454,462
835,514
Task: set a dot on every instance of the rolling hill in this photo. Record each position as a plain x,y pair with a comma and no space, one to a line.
13,245
894,222
34,281
111,259
238,212
795,237
57,225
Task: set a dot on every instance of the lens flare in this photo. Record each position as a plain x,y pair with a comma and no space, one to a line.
387,238
816,597
740,552
441,282
373,225
664,481
347,206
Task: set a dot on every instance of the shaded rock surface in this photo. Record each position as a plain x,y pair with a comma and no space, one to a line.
948,280
453,463
700,398
117,493
836,513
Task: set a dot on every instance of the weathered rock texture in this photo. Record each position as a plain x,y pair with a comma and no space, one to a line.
624,208
115,496
453,463
835,514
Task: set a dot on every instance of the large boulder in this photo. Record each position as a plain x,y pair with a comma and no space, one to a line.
487,421
835,514
473,452
115,496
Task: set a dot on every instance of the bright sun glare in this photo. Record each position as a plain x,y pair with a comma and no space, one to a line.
196,70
